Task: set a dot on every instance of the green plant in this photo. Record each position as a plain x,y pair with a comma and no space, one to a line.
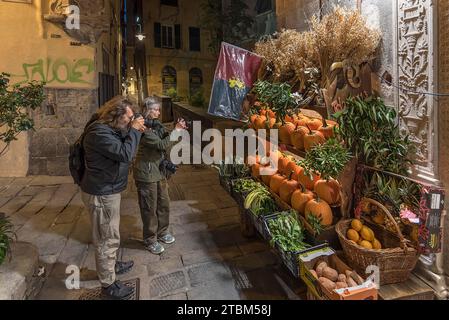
7,236
260,201
287,232
315,223
278,97
197,99
236,169
173,94
224,169
369,129
245,185
15,101
391,190
328,159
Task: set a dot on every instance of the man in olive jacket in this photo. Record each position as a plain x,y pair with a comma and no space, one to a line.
109,143
152,188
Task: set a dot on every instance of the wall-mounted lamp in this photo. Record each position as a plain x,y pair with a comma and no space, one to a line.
140,36
132,68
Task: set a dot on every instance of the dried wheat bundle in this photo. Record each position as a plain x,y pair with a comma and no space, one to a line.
342,35
281,51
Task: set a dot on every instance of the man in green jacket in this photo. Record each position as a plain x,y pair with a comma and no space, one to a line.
152,188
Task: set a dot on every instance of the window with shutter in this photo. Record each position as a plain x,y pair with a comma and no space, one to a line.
177,36
167,37
157,35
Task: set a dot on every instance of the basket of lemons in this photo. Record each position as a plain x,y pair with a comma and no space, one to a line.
366,244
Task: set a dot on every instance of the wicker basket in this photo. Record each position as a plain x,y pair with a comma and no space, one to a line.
395,262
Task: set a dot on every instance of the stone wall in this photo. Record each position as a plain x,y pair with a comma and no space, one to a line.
58,123
69,62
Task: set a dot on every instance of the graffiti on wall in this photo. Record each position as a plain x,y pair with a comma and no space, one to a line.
59,71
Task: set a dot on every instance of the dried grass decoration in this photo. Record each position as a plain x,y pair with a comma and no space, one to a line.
341,35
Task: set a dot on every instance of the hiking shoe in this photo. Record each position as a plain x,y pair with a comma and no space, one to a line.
155,248
122,267
117,291
167,238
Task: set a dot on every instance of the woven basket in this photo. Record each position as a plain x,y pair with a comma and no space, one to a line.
395,262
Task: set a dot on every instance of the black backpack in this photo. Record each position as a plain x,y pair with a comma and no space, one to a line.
76,160
76,155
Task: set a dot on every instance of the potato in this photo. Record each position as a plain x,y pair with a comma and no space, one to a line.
341,277
329,285
330,273
341,285
351,282
358,279
313,272
348,273
319,269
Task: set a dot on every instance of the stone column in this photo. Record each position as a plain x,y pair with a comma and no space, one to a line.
418,113
417,62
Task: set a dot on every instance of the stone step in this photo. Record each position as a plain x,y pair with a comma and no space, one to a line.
18,276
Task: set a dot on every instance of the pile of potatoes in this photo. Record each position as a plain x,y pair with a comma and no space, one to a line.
330,279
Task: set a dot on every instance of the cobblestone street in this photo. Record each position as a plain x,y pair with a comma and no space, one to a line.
209,260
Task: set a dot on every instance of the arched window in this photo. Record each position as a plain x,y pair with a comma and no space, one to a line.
168,78
195,80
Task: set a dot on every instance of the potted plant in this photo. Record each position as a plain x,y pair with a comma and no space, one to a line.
7,236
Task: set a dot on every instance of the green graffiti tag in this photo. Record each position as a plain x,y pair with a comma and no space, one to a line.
61,71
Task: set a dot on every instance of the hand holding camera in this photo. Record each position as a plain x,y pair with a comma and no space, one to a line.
138,123
181,124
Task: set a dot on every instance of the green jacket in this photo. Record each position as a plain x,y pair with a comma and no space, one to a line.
149,156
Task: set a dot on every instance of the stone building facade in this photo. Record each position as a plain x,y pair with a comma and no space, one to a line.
81,69
175,48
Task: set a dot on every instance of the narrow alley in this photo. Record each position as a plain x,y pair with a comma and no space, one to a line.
209,260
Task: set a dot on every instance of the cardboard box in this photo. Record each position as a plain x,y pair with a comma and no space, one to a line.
308,260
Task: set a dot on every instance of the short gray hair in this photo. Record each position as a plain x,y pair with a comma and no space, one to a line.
148,104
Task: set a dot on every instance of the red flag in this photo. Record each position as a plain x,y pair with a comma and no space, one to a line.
235,75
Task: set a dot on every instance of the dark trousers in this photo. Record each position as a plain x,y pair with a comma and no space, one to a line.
154,204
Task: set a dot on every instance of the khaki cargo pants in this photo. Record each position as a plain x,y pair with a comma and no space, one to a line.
105,218
154,204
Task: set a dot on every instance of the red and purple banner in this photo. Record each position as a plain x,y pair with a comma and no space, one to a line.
234,77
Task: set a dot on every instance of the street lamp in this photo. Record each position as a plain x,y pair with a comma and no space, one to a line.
140,36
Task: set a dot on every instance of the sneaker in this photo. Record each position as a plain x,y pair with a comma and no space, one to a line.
155,248
167,238
117,291
122,267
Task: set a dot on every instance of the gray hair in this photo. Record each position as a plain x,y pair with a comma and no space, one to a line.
148,104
